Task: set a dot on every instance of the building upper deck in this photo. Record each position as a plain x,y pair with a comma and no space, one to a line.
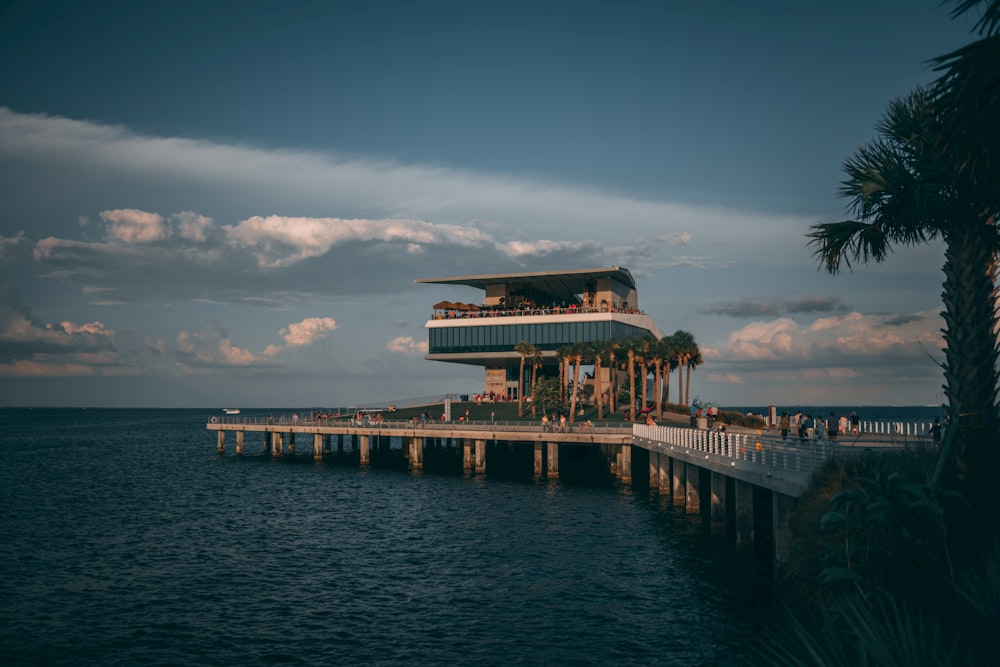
604,289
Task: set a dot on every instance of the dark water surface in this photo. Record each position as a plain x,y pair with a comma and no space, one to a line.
125,539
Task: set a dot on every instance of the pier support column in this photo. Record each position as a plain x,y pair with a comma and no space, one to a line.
626,468
291,442
326,443
781,509
268,442
480,456
692,499
317,446
718,502
417,453
340,443
744,514
239,443
679,482
553,462
365,455
221,436
277,444
664,481
466,455
654,471
538,458
406,442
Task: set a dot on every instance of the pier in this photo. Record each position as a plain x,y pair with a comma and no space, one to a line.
743,483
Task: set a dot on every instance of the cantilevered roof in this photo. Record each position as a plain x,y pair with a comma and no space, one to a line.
560,284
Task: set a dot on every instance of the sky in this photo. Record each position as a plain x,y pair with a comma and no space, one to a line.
227,203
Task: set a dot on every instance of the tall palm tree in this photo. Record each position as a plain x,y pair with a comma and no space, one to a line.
578,354
600,350
613,348
536,359
693,360
629,346
906,188
642,358
666,350
658,353
968,93
524,348
684,348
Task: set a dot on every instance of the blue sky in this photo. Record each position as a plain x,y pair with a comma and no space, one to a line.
227,203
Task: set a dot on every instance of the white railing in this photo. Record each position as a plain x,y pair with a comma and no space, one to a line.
800,455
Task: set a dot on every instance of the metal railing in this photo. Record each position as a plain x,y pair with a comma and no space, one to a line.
800,455
285,420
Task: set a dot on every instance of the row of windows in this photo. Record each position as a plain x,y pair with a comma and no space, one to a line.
549,336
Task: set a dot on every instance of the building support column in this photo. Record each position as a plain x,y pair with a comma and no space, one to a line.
221,438
239,443
365,454
553,461
317,446
480,456
538,458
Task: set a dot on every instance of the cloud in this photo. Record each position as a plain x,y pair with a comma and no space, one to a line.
776,307
308,331
852,340
132,226
406,345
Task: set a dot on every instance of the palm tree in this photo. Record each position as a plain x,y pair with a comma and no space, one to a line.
524,348
693,361
578,352
659,352
968,93
536,359
629,346
600,350
906,188
684,348
613,348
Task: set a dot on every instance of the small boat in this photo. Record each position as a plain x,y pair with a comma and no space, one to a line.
231,411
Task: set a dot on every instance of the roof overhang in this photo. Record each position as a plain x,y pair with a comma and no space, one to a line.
560,284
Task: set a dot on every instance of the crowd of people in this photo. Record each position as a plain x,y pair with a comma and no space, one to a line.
502,311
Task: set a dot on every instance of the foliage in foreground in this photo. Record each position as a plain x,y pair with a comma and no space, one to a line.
886,571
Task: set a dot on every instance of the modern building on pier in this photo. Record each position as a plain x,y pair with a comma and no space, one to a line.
549,309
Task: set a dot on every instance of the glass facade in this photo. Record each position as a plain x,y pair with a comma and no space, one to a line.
547,336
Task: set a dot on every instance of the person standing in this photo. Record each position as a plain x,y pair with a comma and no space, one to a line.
936,432
784,425
832,426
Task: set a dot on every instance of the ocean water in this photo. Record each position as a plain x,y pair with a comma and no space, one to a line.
125,539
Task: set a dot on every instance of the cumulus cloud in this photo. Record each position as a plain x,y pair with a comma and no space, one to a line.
849,339
132,226
308,331
776,307
31,348
406,345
